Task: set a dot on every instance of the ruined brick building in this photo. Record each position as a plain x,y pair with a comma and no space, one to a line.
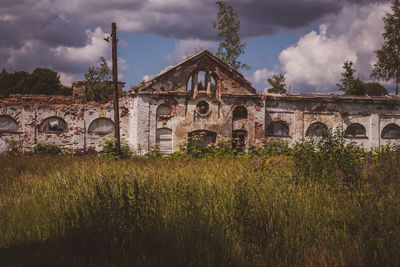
199,95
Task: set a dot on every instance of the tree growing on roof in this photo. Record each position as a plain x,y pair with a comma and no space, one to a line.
278,84
349,84
228,26
98,82
388,65
354,86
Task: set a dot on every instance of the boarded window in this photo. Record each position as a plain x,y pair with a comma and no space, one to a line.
53,125
239,139
201,138
239,113
164,110
8,124
278,128
102,126
316,129
391,131
355,130
164,140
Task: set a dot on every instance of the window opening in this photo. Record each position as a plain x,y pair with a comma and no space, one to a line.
239,113
278,128
102,126
8,124
53,125
316,129
203,107
355,130
391,131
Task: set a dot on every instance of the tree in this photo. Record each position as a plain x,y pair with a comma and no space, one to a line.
374,89
388,65
350,85
228,26
278,84
41,81
98,82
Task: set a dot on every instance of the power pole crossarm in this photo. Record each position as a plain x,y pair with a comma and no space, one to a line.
115,85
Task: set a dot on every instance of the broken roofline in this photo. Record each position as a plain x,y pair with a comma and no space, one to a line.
192,57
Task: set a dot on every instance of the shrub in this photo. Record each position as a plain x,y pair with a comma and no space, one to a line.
42,148
271,147
109,150
330,158
14,146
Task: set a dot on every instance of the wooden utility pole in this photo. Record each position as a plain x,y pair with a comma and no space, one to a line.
115,91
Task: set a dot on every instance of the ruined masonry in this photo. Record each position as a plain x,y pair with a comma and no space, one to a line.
199,95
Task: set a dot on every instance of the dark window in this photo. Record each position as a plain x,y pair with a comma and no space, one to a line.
102,126
203,107
355,130
239,113
53,125
391,131
278,128
316,129
8,124
201,138
239,139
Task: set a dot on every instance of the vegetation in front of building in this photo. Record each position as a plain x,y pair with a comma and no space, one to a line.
323,201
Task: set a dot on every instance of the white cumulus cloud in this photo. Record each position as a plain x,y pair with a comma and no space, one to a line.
259,78
314,63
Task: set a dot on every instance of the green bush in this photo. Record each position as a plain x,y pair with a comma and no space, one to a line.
271,147
14,146
42,148
109,150
329,157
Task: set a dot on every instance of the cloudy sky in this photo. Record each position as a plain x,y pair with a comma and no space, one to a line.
307,40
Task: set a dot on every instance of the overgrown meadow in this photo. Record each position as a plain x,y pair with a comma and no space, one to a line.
321,202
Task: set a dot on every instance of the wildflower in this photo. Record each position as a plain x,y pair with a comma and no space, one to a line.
256,162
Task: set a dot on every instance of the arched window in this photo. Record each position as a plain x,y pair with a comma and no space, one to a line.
189,86
202,82
355,130
239,113
8,124
316,129
53,125
201,138
278,128
164,140
101,126
239,139
391,131
164,110
213,86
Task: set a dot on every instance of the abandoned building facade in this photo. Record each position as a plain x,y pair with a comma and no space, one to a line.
199,95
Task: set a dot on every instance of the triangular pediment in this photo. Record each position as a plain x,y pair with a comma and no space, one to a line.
177,79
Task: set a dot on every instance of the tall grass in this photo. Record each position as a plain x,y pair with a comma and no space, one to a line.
177,212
